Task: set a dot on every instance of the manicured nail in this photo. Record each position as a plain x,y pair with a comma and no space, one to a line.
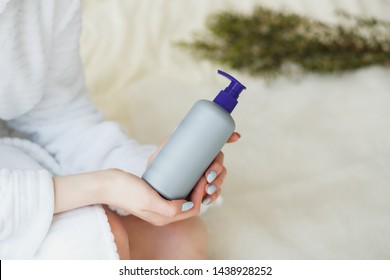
212,175
211,189
206,201
187,206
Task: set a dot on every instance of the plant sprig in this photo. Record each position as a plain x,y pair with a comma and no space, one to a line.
270,43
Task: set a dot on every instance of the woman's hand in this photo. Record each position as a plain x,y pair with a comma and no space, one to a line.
120,189
208,188
132,194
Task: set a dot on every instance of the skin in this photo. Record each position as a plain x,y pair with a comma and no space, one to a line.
157,228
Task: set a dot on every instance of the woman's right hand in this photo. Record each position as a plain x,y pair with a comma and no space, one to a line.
123,190
134,195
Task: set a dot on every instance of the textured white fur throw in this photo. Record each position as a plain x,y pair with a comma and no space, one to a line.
309,178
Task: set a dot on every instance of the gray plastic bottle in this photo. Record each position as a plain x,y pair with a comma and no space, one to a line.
194,144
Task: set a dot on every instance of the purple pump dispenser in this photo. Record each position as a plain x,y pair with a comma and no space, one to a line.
227,98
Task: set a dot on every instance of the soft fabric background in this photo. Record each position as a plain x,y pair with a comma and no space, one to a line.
309,178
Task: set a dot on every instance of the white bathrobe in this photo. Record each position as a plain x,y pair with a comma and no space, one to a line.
43,100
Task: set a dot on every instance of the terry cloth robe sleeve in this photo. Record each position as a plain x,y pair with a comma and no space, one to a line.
27,205
65,122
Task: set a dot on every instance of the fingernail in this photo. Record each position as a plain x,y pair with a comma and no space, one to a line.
238,134
211,189
187,206
212,175
206,201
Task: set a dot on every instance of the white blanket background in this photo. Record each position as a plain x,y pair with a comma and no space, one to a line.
309,179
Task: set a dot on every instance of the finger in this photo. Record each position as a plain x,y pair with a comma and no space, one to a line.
164,207
209,199
161,220
216,184
173,210
213,189
234,137
199,191
215,168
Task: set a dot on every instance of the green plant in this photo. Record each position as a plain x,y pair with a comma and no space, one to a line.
269,43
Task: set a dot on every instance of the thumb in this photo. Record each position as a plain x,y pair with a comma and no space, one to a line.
171,208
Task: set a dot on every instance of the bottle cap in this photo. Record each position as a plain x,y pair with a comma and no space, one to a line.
227,98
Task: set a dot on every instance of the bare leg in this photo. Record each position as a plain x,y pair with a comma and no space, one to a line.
137,239
120,234
185,239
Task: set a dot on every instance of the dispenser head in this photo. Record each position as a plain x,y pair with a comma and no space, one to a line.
227,98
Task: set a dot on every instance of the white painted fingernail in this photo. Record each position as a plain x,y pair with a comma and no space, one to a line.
211,189
187,206
206,201
211,176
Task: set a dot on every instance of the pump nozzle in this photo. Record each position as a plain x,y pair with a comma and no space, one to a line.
227,98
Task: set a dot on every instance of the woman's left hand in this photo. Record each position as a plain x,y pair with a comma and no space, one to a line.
208,188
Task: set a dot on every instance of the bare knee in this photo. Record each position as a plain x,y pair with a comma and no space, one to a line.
189,238
121,238
186,239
